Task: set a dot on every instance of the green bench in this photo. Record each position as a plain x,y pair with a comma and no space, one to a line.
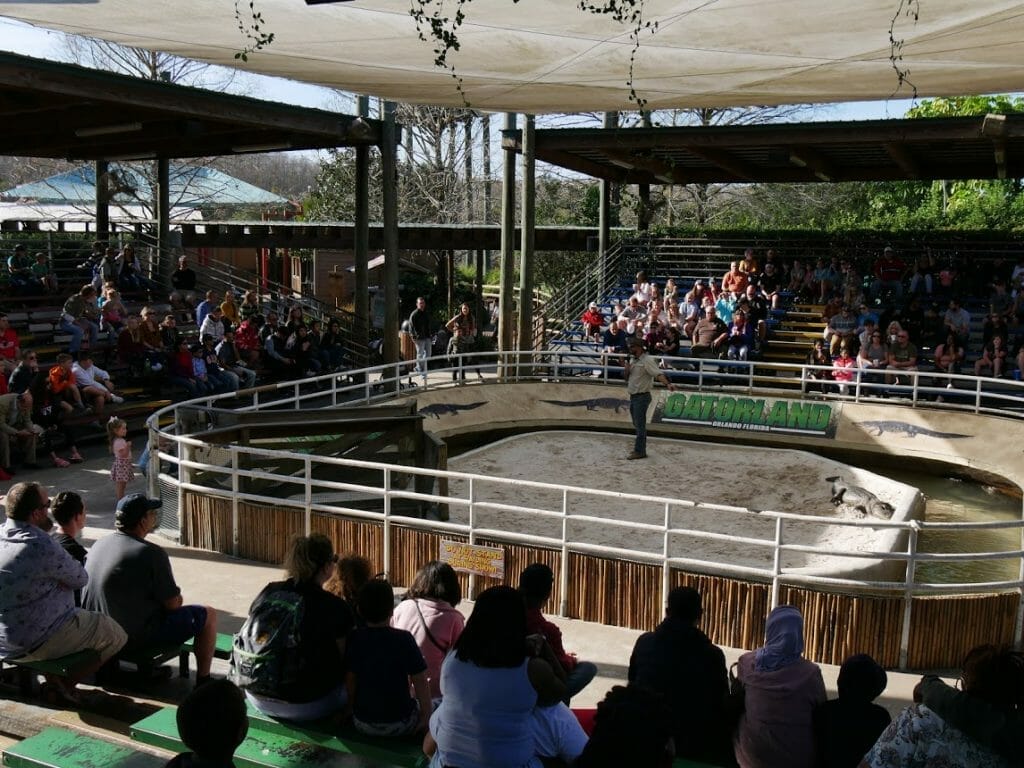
267,749
64,666
61,748
222,650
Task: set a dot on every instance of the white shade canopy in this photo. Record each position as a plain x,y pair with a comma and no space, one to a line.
544,56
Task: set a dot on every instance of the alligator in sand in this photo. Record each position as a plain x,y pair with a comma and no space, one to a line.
437,409
902,427
593,404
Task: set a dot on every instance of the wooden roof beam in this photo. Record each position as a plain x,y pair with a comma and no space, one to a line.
902,156
819,165
728,162
661,170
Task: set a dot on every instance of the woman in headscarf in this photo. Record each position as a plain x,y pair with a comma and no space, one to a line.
781,690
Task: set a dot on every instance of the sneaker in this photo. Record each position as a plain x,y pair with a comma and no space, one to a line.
116,399
634,455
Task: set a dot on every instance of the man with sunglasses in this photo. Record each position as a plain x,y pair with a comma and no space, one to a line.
38,618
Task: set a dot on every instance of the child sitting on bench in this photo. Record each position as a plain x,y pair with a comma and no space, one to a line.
212,723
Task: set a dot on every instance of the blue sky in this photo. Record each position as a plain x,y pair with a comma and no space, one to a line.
27,40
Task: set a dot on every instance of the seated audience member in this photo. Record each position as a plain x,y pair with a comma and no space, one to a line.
352,572
94,383
332,345
615,340
170,338
316,687
17,427
269,326
213,325
979,727
223,379
921,279
994,326
709,335
51,415
10,349
873,354
593,322
535,584
80,315
671,293
633,727
181,372
1000,302
841,328
212,723
130,580
301,348
19,271
26,370
725,305
949,355
69,514
958,321
248,341
844,369
491,684
206,306
38,617
848,726
817,358
250,306
382,663
208,384
993,359
734,281
131,350
279,359
902,358
230,315
781,690
429,612
741,337
112,313
63,385
183,280
231,360
748,264
679,661
181,308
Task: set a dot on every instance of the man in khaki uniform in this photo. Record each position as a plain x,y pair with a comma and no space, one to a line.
641,371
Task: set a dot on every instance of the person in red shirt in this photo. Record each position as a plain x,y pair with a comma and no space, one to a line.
889,272
593,321
535,584
10,347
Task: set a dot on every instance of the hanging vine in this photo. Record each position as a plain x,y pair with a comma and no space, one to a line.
251,26
910,9
434,26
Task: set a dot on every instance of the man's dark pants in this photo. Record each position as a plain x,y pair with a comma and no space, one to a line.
638,405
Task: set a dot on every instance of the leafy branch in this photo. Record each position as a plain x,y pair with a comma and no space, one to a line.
252,29
910,9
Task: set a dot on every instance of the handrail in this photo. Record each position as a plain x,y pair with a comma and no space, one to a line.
575,501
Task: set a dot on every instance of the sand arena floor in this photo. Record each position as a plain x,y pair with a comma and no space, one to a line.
740,476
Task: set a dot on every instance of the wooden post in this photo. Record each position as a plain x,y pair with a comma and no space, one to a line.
389,171
163,217
604,217
526,248
102,200
361,244
506,298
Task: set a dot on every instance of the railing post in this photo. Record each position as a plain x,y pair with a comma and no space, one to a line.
235,490
908,594
777,563
387,523
308,498
666,572
153,466
472,532
563,581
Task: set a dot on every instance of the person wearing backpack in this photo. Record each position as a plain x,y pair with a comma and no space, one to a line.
289,655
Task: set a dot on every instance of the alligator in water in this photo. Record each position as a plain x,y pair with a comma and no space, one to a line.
910,430
437,409
595,403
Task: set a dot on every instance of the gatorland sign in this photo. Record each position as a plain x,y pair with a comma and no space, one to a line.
792,417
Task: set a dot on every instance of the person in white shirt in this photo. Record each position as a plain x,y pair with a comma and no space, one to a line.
94,383
213,325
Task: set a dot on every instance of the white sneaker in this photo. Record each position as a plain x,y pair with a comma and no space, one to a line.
116,399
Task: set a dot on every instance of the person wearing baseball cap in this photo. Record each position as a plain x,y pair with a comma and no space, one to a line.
130,580
640,372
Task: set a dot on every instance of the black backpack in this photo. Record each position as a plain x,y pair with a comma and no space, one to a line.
266,658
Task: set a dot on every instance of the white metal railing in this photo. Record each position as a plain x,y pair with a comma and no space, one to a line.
225,478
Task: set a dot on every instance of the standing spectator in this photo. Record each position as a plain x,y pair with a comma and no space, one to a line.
429,612
382,664
121,472
781,692
463,340
10,346
38,617
80,315
419,320
535,584
130,580
16,425
640,372
679,661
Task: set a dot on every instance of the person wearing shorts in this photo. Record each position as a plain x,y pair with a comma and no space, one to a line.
130,580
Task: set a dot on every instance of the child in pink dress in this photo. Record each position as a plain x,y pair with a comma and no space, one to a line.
121,472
